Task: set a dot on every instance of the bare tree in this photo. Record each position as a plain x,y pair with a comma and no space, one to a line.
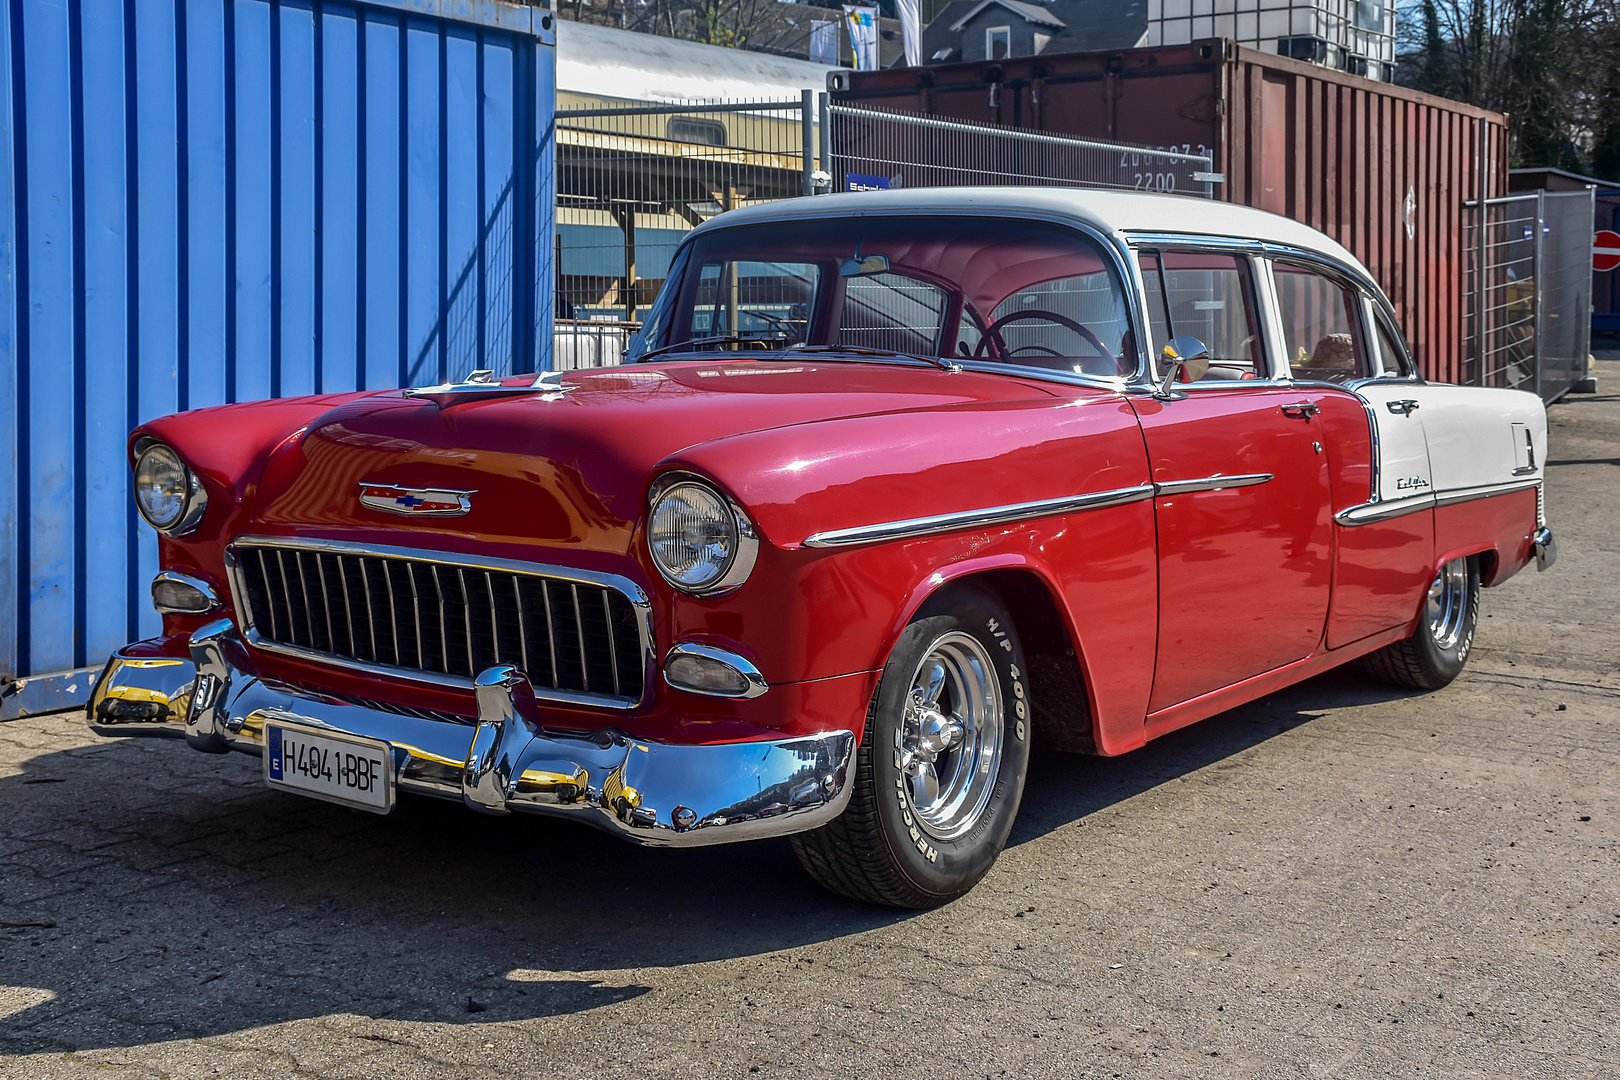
1549,63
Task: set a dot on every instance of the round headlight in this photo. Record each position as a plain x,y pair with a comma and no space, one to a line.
699,540
165,492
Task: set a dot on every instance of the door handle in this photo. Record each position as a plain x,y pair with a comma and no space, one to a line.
1301,410
1405,406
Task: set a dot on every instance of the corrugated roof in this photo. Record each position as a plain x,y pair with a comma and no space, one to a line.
605,62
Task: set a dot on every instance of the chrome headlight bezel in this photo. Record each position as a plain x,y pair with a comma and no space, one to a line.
745,543
195,503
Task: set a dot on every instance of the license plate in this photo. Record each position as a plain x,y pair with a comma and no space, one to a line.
343,769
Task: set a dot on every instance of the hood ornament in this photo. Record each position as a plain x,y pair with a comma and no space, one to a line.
483,384
422,502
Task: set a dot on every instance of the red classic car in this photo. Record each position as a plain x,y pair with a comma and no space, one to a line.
891,485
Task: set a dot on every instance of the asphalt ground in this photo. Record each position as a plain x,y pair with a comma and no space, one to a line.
1340,880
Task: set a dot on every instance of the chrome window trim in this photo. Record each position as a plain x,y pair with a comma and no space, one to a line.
1265,298
1276,349
741,664
629,589
1114,244
1270,250
201,586
974,519
1369,512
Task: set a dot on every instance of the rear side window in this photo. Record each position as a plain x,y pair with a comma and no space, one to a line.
1320,330
1207,296
1390,353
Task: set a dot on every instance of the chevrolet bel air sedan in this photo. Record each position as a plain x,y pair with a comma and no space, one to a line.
891,486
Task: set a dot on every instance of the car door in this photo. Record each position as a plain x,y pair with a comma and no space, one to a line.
1349,364
1242,502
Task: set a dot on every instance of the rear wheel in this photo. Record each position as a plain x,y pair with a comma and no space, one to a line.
940,770
1437,650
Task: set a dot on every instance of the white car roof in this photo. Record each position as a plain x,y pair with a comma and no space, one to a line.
1120,212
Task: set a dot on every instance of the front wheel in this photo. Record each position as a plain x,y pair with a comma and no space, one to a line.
1437,650
940,770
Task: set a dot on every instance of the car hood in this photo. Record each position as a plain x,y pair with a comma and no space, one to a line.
571,468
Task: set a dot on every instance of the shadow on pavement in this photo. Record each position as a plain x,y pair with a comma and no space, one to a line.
187,900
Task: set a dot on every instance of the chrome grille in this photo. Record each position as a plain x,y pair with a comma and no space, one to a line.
421,613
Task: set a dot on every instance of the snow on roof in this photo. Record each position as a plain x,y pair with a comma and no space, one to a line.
601,61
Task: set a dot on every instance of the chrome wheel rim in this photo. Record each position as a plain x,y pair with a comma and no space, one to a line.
948,745
1448,603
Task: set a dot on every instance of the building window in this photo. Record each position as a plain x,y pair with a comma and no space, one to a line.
708,132
998,42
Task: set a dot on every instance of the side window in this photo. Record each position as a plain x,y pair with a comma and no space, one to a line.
1391,354
892,311
1320,330
1210,297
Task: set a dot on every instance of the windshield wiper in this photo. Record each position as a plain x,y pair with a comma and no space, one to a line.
863,350
722,339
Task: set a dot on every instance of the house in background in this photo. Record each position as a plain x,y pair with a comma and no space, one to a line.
970,30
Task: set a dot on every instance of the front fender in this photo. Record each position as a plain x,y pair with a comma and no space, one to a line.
809,613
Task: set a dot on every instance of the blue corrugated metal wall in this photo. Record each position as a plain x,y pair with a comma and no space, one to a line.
208,201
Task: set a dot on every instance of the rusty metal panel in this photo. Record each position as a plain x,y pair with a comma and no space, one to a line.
1383,170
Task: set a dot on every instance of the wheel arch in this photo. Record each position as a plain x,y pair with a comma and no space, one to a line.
1486,555
1060,689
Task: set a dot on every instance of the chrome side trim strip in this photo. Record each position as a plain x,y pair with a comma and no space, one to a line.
1210,483
977,519
563,574
1367,513
1370,512
1484,491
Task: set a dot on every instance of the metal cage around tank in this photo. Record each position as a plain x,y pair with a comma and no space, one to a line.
210,201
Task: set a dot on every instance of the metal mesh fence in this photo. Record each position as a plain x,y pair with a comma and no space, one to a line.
876,148
1527,291
632,180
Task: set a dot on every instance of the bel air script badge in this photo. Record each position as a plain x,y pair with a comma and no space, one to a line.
427,502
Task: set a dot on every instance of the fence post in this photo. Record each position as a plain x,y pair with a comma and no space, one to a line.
1482,228
806,115
822,132
1541,284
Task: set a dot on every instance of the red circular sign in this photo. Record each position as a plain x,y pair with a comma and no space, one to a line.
1605,250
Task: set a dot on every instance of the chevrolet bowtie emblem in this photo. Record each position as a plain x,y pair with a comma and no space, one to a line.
394,499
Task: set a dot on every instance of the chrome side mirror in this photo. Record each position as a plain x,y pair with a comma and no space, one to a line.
1185,353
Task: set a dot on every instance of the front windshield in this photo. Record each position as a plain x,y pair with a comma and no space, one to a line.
1000,290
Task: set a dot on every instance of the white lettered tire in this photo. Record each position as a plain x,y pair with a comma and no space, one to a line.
941,765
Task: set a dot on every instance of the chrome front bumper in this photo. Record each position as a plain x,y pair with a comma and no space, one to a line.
660,794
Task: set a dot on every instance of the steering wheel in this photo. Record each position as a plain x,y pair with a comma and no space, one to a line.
993,333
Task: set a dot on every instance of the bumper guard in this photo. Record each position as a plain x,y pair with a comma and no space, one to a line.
660,794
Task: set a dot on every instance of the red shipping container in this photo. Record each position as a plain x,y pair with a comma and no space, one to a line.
1384,170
